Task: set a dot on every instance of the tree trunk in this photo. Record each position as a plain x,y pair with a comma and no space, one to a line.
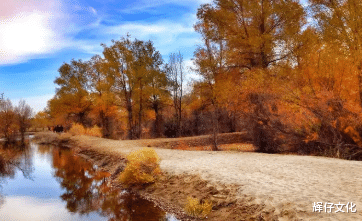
140,114
157,121
130,116
215,127
360,82
105,125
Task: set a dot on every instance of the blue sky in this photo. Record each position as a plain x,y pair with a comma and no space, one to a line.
37,36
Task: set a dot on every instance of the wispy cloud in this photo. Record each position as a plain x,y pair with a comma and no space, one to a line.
168,36
145,5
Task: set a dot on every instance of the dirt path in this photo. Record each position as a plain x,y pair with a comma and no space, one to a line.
288,183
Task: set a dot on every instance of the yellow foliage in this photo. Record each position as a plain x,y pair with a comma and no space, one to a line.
94,131
197,209
142,167
77,129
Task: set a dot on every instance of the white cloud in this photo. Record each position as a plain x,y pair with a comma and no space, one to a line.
25,35
38,103
28,28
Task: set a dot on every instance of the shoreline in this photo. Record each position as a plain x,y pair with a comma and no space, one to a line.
171,191
240,185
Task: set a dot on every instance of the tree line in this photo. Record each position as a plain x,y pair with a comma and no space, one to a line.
14,121
290,75
125,91
294,71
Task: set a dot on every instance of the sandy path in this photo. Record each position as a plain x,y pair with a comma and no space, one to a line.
288,183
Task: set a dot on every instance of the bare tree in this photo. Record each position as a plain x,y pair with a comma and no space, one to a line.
23,113
175,71
7,119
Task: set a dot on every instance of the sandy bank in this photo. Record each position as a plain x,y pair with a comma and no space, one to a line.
284,186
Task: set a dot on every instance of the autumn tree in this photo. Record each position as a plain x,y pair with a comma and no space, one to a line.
159,96
41,120
103,99
209,61
242,36
119,59
147,66
339,22
157,90
23,114
8,124
130,65
256,33
72,96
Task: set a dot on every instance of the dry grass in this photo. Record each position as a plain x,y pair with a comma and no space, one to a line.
196,208
51,138
182,146
197,142
142,167
244,147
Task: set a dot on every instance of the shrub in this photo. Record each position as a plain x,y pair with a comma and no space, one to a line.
197,209
77,129
142,167
94,131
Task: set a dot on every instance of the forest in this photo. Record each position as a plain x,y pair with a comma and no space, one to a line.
288,74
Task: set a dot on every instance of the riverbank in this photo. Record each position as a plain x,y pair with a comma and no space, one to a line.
241,185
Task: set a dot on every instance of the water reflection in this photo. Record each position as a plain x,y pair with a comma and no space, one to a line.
13,157
63,180
87,190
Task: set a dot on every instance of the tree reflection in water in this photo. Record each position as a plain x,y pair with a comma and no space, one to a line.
87,191
15,156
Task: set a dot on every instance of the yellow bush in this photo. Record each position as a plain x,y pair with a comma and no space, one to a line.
197,209
94,131
77,129
142,167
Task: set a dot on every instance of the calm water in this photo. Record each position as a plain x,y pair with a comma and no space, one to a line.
50,183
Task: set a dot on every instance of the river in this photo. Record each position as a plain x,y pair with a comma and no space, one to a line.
51,183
